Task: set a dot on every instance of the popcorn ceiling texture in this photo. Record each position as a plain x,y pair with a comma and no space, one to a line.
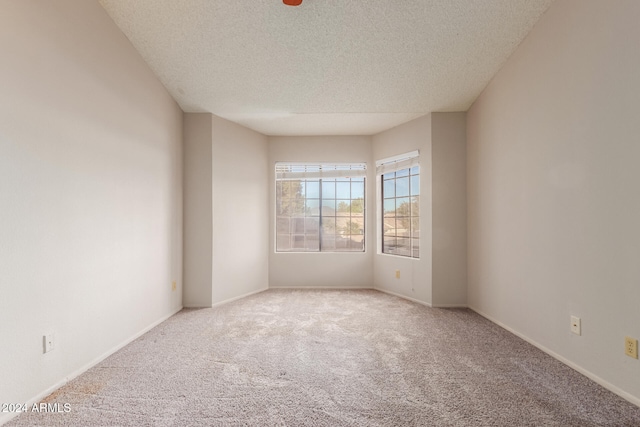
327,67
332,358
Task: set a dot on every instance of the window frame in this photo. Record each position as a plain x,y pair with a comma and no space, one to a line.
408,165
321,174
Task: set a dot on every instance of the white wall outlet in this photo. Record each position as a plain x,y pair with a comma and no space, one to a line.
575,325
48,343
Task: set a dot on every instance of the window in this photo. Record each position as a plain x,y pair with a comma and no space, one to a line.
320,207
400,185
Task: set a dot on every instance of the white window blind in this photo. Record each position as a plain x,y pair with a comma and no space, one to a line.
396,163
295,171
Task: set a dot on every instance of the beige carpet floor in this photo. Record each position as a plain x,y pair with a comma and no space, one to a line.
332,358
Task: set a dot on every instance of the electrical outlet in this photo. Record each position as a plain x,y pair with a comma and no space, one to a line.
631,347
48,343
173,285
575,325
397,274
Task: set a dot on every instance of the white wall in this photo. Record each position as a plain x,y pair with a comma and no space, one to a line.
415,274
240,263
198,210
339,269
449,204
226,205
553,189
90,193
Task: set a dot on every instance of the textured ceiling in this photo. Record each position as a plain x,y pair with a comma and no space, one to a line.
327,67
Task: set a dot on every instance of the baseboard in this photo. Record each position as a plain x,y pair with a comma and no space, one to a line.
227,301
4,418
403,297
449,306
629,397
337,288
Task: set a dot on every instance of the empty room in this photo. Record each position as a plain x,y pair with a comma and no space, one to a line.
319,212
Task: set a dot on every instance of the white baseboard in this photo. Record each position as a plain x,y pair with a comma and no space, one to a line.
338,288
449,306
428,304
4,418
239,297
227,300
629,397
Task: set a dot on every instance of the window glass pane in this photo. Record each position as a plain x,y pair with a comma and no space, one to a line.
358,227
328,189
292,189
389,175
341,223
389,189
282,225
402,187
328,207
357,207
343,190
415,247
355,244
312,242
389,245
403,172
286,188
328,226
389,227
283,242
403,208
351,226
403,246
357,190
415,185
280,208
415,206
297,225
290,207
403,225
415,227
313,190
343,207
311,225
328,242
389,206
298,241
296,206
312,207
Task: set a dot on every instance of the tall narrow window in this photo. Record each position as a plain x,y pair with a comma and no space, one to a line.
400,179
320,207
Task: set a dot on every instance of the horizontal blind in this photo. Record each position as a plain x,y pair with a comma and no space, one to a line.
295,171
396,163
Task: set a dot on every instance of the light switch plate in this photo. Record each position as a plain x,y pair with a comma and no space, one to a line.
48,343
